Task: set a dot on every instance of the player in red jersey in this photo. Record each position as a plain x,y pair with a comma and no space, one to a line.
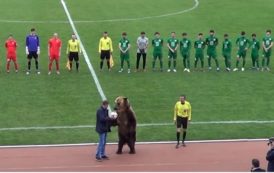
54,52
11,46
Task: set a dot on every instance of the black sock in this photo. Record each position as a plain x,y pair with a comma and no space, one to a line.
101,64
144,60
184,136
77,66
108,64
178,137
36,64
70,65
29,65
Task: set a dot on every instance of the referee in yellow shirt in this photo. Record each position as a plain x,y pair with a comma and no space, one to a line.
105,50
73,51
182,114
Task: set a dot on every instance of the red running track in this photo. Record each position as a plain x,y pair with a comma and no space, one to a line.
205,157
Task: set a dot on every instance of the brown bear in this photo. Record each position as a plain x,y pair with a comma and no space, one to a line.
126,121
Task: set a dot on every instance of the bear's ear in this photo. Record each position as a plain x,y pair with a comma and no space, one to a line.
126,102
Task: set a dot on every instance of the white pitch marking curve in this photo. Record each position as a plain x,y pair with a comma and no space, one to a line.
105,20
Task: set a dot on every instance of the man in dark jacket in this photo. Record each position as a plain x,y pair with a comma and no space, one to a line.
270,156
256,166
102,128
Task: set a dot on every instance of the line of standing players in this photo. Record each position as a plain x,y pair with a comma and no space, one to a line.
185,44
33,52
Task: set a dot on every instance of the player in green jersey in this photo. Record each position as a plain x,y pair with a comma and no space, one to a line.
243,45
267,46
124,46
255,47
157,44
199,46
212,42
185,46
226,49
172,44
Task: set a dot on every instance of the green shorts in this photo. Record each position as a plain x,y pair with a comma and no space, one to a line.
254,56
199,56
172,55
157,55
124,56
241,54
266,54
185,55
227,56
211,54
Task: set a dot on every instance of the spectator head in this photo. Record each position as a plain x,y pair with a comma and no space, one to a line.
255,163
270,141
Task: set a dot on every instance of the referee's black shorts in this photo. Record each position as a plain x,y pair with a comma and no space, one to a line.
182,122
73,56
105,54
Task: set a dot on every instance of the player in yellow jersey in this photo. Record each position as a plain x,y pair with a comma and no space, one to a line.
73,51
182,114
105,50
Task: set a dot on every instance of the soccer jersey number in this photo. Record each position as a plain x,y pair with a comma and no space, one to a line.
124,45
242,43
172,44
226,45
211,43
185,45
199,45
267,42
157,44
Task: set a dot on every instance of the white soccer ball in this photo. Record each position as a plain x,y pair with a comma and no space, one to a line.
113,115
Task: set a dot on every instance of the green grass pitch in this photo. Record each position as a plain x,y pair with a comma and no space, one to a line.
71,99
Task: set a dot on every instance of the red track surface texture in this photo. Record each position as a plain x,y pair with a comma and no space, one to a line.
206,157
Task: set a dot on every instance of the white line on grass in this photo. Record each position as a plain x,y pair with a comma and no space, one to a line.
33,21
139,125
91,69
141,18
106,20
138,143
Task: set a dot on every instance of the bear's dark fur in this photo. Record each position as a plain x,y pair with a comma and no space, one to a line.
126,121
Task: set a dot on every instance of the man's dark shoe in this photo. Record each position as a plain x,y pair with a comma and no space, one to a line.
98,159
105,157
183,144
177,146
